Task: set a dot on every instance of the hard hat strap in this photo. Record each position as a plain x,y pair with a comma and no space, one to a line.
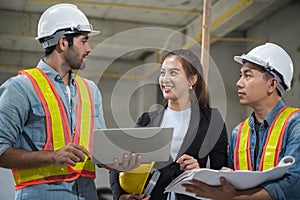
53,40
155,174
83,28
281,86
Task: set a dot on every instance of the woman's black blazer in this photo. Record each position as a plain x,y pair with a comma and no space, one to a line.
206,138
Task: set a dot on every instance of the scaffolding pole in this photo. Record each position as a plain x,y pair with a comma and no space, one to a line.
205,37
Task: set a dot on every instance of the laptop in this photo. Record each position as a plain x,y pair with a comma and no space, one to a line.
152,143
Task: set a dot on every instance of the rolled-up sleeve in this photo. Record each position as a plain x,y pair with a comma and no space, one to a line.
13,113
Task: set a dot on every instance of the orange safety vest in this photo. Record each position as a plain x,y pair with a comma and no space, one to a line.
58,133
271,150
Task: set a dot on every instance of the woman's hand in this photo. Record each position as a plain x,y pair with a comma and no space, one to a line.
226,168
129,162
187,162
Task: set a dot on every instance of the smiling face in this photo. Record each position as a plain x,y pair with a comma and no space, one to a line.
173,80
252,87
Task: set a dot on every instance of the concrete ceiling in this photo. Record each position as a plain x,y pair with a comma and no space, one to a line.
19,18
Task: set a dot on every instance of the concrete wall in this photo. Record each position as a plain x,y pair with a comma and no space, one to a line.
222,53
282,28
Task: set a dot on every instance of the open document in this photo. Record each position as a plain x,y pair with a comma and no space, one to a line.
240,179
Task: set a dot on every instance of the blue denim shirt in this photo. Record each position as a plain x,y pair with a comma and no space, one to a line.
288,186
21,112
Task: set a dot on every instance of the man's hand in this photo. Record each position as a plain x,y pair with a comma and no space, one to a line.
187,162
223,192
133,197
126,165
70,155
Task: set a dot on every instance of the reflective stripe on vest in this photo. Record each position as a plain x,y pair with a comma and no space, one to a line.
84,125
271,149
242,160
58,133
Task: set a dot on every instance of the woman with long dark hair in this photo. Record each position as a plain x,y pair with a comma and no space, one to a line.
199,131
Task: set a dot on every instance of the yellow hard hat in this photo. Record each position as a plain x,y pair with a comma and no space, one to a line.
134,181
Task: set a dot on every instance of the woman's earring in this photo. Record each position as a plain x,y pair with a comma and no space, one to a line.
191,87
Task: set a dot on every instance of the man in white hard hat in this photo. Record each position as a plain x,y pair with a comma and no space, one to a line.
48,114
269,134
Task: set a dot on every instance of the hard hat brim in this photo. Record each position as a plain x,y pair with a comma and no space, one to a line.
94,32
238,59
241,59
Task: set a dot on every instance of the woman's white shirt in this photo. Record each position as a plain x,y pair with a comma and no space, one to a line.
179,120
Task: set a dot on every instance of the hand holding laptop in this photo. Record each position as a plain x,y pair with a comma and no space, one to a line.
127,164
151,144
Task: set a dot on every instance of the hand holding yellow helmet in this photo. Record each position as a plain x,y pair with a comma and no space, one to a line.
140,180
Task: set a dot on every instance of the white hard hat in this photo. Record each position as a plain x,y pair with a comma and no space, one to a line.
273,58
62,17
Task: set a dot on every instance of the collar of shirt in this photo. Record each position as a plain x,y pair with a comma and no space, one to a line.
52,74
270,117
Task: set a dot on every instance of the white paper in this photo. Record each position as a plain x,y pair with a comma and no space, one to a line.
240,179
